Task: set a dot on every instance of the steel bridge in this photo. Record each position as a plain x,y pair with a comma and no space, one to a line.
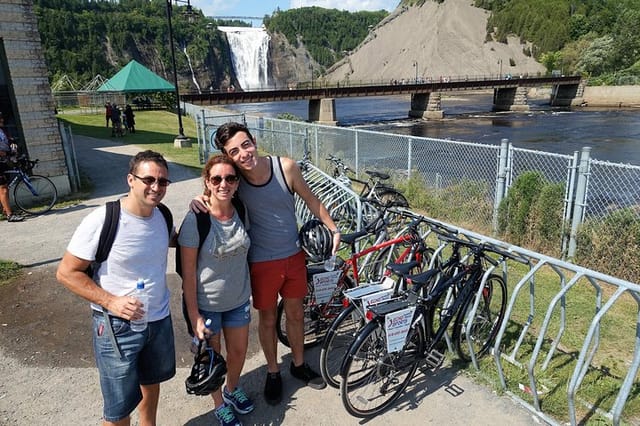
509,94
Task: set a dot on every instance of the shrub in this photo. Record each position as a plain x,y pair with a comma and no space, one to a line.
611,244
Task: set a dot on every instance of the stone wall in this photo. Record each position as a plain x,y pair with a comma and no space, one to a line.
612,96
29,92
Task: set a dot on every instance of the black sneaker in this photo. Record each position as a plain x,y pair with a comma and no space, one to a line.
307,375
273,388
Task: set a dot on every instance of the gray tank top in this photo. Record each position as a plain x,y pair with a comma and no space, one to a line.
271,208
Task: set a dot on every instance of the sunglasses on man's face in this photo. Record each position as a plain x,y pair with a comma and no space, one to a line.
150,180
217,180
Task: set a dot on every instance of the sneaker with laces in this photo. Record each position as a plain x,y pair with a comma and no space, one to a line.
15,218
307,375
273,388
226,416
238,400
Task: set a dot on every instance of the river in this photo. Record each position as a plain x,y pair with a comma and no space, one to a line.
612,134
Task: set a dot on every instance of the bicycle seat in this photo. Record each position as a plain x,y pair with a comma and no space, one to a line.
353,237
402,268
374,174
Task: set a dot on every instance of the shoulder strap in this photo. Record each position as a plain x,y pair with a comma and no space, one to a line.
204,225
168,217
109,229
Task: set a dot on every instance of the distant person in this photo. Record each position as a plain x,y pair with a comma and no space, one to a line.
217,284
129,118
116,121
107,111
8,149
131,364
268,187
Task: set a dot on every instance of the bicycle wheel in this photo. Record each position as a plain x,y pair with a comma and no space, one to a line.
391,197
339,337
36,197
372,378
486,322
317,317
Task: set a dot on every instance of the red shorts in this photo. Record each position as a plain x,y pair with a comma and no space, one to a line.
285,277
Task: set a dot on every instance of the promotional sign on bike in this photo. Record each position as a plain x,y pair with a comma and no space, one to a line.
374,298
396,326
324,284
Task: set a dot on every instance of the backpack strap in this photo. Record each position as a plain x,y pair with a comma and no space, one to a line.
109,230
204,226
168,217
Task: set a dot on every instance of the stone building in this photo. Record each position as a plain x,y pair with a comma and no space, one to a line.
26,100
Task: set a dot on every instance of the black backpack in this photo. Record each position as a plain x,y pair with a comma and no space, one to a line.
110,228
203,225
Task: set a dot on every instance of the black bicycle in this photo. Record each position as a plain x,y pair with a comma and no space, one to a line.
409,330
33,194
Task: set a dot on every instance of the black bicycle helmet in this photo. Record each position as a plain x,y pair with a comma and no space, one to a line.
207,373
316,240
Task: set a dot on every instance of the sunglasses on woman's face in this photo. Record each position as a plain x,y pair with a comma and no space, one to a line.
217,180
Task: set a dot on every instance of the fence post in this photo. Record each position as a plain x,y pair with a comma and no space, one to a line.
501,177
357,150
580,200
569,202
409,156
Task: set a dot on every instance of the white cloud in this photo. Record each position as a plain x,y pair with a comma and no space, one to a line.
350,5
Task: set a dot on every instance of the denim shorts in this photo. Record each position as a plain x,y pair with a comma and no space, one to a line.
148,357
238,317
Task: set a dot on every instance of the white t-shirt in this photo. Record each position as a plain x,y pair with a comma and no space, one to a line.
139,251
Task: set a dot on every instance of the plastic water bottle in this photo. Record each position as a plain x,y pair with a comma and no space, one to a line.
143,297
330,263
195,342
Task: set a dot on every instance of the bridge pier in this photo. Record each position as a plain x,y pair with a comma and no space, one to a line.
426,105
567,95
323,111
510,99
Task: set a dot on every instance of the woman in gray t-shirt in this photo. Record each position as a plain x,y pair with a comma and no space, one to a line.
216,282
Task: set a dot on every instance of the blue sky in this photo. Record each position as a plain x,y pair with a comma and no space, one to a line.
266,7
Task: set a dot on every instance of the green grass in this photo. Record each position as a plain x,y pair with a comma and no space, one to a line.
8,271
155,130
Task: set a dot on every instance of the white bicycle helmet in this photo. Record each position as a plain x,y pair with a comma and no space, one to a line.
316,240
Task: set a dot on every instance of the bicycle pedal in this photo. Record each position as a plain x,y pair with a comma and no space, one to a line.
434,359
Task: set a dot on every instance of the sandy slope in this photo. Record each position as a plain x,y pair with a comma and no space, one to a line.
445,39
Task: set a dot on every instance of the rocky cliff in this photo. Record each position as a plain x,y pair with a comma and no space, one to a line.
433,40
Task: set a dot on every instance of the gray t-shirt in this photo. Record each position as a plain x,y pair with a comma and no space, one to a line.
223,280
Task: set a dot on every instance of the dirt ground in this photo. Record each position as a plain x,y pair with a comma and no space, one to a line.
47,369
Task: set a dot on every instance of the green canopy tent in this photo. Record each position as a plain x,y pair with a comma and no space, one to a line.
136,78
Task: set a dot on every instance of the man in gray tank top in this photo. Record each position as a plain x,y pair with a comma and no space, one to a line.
267,187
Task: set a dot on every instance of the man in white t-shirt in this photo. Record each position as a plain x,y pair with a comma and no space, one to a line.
131,364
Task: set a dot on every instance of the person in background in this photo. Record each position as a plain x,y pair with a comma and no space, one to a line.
128,115
107,111
216,283
268,185
131,364
7,150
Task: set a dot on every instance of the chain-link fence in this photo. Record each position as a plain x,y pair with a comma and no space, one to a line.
594,203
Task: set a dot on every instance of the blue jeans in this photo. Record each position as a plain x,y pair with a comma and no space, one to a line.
238,317
148,357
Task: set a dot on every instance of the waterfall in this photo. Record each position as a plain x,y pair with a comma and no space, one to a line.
249,47
193,75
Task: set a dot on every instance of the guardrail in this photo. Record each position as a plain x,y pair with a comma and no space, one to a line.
545,330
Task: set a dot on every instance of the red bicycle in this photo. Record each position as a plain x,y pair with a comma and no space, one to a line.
323,302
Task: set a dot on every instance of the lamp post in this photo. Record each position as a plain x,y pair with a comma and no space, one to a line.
500,63
415,64
181,140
